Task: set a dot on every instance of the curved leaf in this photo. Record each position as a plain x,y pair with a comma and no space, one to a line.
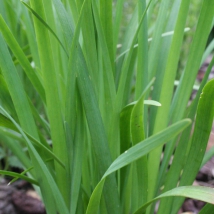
17,175
45,24
202,129
132,155
43,175
24,62
201,193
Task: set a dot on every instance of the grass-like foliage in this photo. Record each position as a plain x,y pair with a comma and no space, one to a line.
95,123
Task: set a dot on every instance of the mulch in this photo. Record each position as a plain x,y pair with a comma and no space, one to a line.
19,198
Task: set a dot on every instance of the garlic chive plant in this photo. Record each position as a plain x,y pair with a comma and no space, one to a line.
95,124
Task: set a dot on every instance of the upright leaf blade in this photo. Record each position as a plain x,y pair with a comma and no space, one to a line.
202,129
16,90
51,85
133,154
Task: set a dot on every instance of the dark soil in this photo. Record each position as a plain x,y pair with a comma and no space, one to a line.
19,198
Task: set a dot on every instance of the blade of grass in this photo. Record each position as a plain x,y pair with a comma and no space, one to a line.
202,129
138,134
96,127
126,43
66,25
166,93
142,57
17,175
106,22
16,90
5,97
207,209
90,43
117,22
24,62
109,87
45,24
208,51
184,89
22,173
161,60
46,182
74,11
3,11
5,122
166,34
201,193
107,55
125,144
67,29
179,156
133,154
126,116
27,21
16,149
154,49
134,125
54,108
208,155
125,68
76,171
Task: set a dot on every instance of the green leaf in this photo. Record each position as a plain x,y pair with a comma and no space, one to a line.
140,186
5,122
202,129
198,45
133,154
201,193
45,24
207,209
50,75
94,120
22,173
125,68
107,25
17,175
142,59
180,154
16,90
19,54
161,118
45,180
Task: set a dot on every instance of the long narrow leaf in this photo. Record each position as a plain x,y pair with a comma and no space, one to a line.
17,51
44,177
201,193
134,154
17,175
202,129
